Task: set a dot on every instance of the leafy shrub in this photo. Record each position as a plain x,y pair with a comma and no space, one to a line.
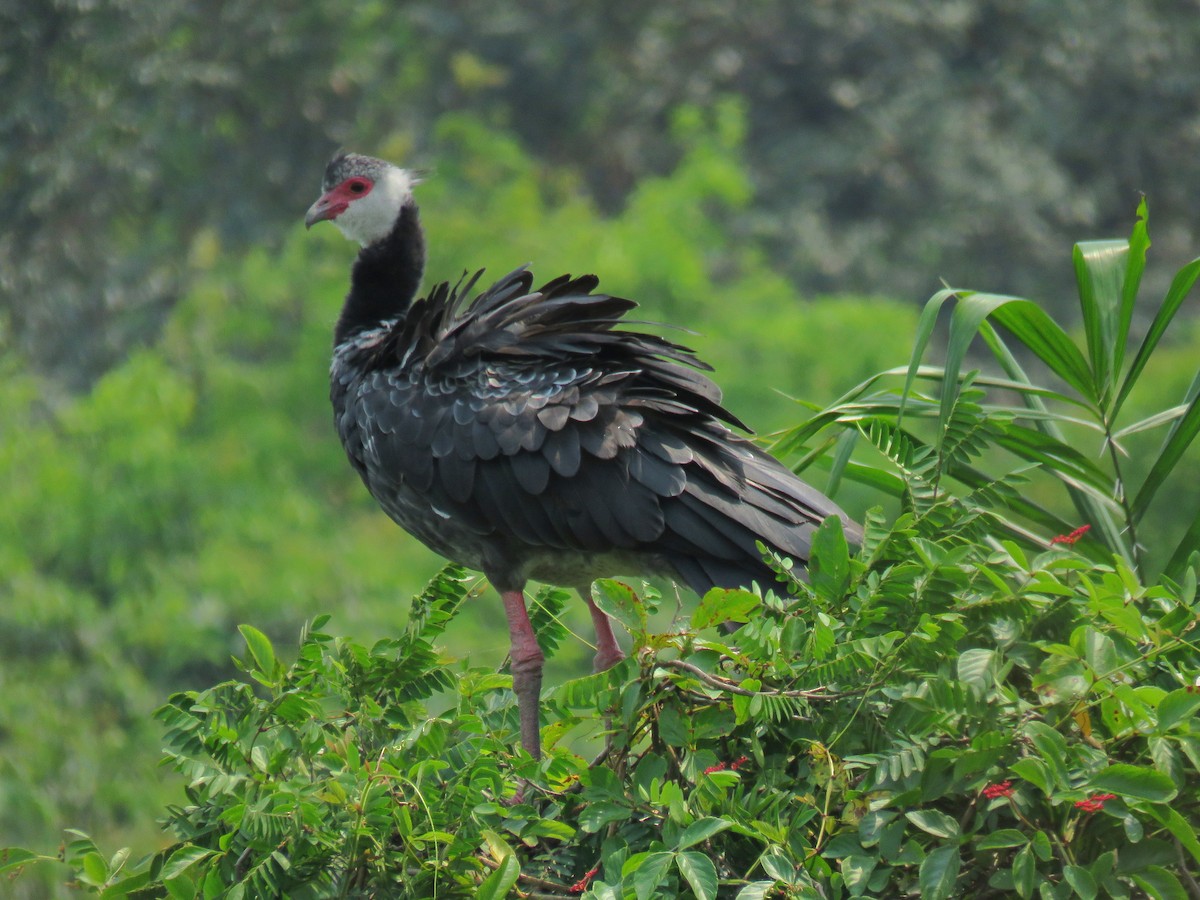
935,716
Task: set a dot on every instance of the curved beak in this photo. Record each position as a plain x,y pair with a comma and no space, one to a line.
327,207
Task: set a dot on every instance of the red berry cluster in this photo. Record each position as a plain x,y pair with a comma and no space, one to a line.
1072,537
1000,789
1095,803
582,884
733,766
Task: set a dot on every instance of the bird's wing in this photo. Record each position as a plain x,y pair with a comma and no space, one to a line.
529,416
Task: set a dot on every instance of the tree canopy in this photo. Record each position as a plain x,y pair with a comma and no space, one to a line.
888,144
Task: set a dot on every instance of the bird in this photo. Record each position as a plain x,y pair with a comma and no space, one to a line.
529,434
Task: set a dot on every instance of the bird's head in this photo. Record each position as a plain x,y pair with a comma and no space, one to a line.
362,196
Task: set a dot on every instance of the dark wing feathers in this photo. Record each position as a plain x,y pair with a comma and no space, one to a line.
532,471
457,476
561,449
664,479
530,417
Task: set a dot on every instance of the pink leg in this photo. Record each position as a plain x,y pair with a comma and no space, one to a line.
527,660
608,651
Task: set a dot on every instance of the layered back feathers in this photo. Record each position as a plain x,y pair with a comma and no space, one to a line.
531,423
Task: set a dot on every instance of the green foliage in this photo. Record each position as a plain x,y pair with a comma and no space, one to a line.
1036,426
934,716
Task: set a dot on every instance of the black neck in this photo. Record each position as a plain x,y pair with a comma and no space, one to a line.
385,277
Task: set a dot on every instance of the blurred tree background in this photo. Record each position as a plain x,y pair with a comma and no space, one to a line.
790,180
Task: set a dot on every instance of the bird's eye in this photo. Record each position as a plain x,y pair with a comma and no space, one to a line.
357,187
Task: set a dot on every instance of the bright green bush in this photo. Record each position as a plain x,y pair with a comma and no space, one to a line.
932,716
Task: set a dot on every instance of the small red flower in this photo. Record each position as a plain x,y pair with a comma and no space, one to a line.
1000,789
1095,803
732,766
1072,537
582,884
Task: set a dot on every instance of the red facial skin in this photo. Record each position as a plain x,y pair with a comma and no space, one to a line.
336,200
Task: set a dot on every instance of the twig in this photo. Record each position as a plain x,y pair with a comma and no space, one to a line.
724,684
242,866
962,820
1193,888
602,756
559,889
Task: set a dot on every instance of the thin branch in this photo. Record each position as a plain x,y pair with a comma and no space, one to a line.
1123,498
724,684
560,890
1193,888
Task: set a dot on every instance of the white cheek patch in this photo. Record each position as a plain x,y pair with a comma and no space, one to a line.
370,218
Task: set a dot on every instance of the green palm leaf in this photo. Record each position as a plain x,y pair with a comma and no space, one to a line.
1180,287
1180,438
1100,273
